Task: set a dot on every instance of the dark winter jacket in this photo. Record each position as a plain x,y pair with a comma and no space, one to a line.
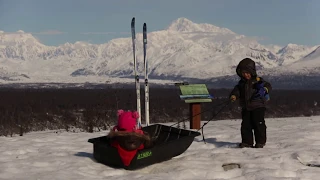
245,89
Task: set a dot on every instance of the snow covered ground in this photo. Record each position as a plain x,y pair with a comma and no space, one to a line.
64,155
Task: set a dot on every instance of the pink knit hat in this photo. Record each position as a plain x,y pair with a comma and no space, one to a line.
127,120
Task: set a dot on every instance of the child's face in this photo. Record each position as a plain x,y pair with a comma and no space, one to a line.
246,75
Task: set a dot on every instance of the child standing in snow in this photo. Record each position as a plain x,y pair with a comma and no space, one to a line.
252,92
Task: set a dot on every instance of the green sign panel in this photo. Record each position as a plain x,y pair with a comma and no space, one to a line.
144,155
194,89
199,92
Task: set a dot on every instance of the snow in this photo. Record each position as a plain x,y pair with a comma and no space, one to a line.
314,54
45,78
293,52
65,155
307,65
183,49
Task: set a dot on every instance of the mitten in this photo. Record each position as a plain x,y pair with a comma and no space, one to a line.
261,90
233,98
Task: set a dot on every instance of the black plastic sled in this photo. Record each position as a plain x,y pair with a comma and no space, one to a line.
168,142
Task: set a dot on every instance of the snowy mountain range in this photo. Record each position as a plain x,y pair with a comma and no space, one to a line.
184,50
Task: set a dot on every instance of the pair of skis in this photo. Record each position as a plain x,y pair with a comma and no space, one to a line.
136,74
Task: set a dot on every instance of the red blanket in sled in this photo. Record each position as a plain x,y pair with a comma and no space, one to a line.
126,156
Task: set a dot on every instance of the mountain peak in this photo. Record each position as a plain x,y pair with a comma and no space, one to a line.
18,38
289,48
186,25
183,25
20,31
183,20
292,45
314,54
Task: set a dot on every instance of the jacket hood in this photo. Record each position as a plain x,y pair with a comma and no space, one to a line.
248,65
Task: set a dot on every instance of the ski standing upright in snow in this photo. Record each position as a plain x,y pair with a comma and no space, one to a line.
146,87
133,32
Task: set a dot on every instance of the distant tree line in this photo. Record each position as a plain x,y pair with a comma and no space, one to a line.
25,110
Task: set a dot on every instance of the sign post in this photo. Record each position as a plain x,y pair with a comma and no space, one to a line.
194,95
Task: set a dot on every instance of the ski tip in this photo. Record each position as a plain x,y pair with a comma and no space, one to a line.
144,31
132,21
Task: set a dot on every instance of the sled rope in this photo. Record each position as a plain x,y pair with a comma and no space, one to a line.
226,104
209,109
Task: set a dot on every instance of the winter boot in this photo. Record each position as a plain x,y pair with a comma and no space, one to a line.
245,145
259,145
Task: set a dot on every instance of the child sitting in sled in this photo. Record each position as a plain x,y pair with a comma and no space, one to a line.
127,137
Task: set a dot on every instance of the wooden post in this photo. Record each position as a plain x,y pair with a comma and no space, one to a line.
195,115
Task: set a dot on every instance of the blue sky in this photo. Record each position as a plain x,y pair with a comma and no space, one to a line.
55,22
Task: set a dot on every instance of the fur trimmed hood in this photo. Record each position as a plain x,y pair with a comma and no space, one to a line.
144,135
131,140
248,65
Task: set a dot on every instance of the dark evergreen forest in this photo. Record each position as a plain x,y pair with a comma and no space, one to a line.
25,110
